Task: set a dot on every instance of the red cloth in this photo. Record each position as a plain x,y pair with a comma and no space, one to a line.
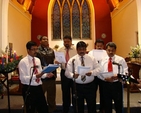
67,55
35,70
110,67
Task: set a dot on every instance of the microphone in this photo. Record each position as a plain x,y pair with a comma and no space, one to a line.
127,79
132,79
115,63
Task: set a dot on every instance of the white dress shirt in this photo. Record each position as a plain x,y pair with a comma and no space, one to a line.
117,59
89,61
26,70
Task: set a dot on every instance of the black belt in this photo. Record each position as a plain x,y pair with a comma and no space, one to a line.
85,84
24,85
46,79
112,82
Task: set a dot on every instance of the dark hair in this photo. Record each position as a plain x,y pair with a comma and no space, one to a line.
81,44
30,44
67,37
99,41
42,37
111,44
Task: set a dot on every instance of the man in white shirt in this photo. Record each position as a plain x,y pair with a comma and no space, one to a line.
66,83
99,53
112,87
30,72
83,68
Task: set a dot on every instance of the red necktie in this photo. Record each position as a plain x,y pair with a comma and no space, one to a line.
35,70
67,55
110,67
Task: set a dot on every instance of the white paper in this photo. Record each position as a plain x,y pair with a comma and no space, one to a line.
60,57
106,74
82,70
98,54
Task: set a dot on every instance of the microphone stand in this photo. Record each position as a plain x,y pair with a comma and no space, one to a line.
128,93
119,73
118,69
128,90
74,90
27,93
122,85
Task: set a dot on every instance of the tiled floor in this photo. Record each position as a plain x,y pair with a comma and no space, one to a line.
16,102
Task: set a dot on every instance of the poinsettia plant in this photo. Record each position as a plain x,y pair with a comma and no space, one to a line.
9,64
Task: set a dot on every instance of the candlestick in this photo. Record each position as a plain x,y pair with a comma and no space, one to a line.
7,57
15,55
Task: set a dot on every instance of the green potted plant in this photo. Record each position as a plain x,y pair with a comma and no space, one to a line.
135,53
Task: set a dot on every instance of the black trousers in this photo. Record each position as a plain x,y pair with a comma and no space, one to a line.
67,91
35,100
113,91
99,83
86,92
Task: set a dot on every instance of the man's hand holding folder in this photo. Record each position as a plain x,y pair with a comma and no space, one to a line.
50,68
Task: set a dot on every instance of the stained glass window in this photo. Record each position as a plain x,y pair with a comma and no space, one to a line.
71,17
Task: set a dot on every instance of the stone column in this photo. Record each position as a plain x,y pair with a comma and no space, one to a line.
4,24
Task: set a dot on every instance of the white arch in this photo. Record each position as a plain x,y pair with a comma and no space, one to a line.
90,42
138,2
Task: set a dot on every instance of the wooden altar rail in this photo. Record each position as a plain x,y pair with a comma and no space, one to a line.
134,69
2,80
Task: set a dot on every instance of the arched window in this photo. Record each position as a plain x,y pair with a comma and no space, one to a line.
71,17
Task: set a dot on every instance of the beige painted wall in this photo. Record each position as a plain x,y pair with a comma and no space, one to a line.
19,28
124,27
0,23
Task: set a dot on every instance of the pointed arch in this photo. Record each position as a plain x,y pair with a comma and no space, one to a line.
71,17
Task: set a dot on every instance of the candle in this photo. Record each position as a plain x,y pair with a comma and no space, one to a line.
6,57
15,55
6,54
2,58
